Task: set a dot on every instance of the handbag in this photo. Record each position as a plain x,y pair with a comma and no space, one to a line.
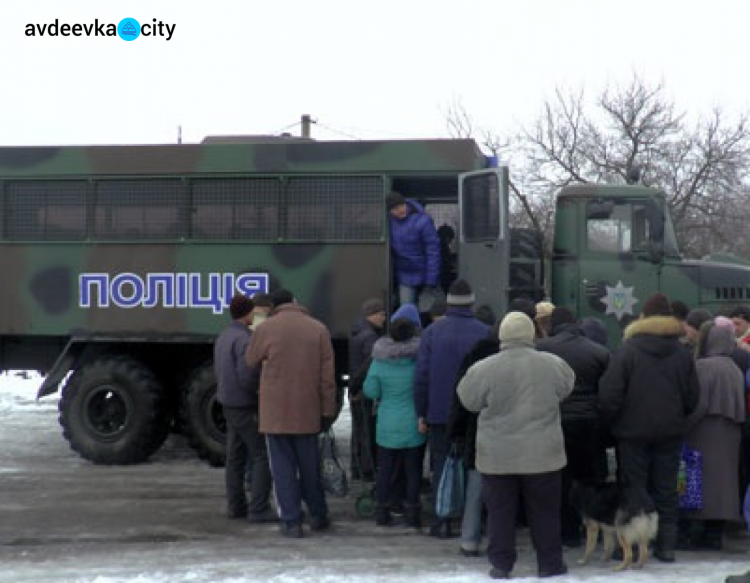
332,473
746,507
690,479
451,491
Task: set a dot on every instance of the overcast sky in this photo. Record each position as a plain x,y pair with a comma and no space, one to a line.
386,69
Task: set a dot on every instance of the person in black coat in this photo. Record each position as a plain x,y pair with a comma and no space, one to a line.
462,431
364,332
645,396
580,418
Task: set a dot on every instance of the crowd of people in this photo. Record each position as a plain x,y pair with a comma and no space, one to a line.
534,402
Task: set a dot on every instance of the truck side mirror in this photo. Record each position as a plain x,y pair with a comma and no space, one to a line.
600,209
656,251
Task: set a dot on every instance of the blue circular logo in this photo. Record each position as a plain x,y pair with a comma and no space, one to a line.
129,29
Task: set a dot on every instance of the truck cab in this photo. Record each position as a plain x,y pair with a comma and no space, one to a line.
614,245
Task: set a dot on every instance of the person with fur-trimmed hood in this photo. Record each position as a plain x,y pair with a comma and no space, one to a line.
646,395
390,381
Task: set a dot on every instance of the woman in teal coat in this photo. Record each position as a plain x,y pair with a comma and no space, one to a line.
390,380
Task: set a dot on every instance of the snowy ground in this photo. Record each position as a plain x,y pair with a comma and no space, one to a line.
63,520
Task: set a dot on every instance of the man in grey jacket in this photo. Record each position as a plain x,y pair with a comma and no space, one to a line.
237,391
520,448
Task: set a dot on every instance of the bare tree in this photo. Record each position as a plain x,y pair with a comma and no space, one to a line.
461,125
703,169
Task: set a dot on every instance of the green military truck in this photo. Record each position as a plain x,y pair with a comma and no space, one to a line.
615,245
118,262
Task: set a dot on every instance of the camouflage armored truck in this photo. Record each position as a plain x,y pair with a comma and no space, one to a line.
118,262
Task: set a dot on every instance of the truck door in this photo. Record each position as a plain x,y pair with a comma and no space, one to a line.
621,263
483,251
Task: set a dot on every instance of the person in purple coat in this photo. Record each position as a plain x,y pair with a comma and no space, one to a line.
415,247
442,349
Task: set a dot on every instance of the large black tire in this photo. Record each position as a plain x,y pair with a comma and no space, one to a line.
114,411
202,417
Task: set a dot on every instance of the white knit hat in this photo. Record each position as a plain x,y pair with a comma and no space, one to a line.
516,326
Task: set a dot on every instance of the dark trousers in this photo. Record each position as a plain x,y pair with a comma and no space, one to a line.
393,463
245,443
295,466
437,441
362,439
582,446
541,498
654,466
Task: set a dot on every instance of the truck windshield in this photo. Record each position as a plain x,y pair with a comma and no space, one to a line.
629,226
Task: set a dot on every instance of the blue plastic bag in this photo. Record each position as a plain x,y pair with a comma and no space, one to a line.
451,492
690,479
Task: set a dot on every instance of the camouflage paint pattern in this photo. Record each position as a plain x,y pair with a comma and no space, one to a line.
39,296
421,157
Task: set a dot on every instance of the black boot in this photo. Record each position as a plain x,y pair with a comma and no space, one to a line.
441,528
383,515
666,541
684,534
710,539
414,516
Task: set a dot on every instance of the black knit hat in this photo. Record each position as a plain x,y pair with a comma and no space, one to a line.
240,306
372,306
460,294
524,305
656,305
262,299
696,317
394,199
281,296
560,316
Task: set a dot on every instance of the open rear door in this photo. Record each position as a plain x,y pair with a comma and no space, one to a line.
483,254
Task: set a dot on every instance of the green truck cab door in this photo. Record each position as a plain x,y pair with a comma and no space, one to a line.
621,258
484,235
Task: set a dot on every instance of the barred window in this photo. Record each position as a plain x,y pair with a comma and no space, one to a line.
482,209
53,210
236,208
335,208
140,209
295,209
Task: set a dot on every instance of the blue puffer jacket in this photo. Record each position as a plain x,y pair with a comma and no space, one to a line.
416,247
443,347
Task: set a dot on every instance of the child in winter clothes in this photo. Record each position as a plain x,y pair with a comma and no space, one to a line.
391,381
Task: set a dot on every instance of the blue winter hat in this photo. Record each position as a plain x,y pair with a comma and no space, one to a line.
408,311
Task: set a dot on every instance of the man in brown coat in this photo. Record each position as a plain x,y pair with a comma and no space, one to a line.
297,401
